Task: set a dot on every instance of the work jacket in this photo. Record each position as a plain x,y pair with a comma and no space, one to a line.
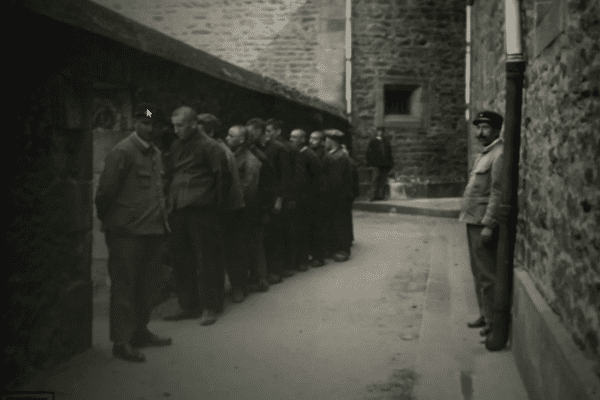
481,200
130,196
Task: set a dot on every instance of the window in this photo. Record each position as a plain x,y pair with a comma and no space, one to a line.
549,23
401,103
397,99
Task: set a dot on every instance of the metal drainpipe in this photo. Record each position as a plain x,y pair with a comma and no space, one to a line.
515,68
348,58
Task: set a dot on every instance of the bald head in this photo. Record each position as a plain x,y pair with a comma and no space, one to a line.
298,138
316,139
184,121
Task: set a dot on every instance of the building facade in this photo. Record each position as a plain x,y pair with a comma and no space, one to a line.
558,238
408,68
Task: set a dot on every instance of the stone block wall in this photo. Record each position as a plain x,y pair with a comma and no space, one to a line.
413,41
297,42
558,240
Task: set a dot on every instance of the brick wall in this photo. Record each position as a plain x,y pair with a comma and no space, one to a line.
297,42
558,239
408,41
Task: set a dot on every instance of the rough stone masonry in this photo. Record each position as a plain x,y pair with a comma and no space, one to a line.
558,239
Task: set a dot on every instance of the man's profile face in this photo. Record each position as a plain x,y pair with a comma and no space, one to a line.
234,138
254,133
271,132
486,134
297,139
316,139
148,129
183,126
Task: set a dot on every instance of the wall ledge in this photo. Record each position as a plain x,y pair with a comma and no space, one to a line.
550,364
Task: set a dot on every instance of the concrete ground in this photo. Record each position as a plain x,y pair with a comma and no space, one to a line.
387,324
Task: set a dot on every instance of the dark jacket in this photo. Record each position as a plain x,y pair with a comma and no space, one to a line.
130,196
235,197
279,159
267,180
200,174
337,178
249,167
379,153
307,172
291,153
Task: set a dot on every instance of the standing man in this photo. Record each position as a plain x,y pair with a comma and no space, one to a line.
379,156
234,256
479,210
197,193
319,237
275,232
338,186
273,131
305,191
248,167
267,184
131,206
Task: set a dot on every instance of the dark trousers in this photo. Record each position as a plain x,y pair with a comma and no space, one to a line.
316,231
379,182
340,226
483,267
134,268
302,221
234,256
322,246
198,270
275,242
256,252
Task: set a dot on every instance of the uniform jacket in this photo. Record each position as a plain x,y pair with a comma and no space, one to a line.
130,197
481,199
337,178
306,175
248,168
379,153
200,174
234,200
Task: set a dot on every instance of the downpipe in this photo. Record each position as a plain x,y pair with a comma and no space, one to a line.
515,69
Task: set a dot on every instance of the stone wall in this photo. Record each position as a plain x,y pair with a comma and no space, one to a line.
297,42
63,120
558,240
421,42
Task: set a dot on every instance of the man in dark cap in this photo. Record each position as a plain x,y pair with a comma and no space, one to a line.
338,183
234,256
479,210
379,157
131,206
197,194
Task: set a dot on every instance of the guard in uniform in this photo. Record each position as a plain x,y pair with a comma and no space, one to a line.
479,210
131,206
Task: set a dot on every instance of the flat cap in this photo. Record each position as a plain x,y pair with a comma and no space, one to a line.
493,118
150,111
334,133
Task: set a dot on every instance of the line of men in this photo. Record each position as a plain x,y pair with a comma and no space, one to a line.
249,204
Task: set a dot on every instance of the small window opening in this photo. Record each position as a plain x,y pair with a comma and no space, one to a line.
397,99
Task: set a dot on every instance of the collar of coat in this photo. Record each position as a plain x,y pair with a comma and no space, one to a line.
489,147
